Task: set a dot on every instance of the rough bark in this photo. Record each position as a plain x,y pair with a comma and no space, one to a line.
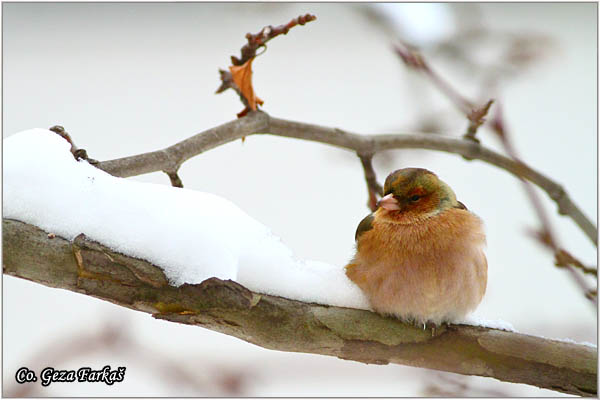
277,323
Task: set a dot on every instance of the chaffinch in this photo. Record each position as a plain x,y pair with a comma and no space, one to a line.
419,256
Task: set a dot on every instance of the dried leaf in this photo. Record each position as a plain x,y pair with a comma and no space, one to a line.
242,77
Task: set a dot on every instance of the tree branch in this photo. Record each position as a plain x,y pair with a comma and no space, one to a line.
261,123
374,189
171,158
547,232
277,323
256,40
413,59
248,53
174,178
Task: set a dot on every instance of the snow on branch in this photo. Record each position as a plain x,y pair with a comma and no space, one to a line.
282,324
188,280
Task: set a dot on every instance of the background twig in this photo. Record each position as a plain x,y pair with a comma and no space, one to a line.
547,235
117,337
374,189
413,59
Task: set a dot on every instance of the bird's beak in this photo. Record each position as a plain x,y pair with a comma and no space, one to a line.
389,203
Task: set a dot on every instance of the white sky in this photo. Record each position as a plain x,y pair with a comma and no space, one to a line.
129,78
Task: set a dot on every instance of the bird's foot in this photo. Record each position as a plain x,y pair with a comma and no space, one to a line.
432,327
427,326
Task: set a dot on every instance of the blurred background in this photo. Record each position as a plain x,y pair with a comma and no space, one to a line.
130,78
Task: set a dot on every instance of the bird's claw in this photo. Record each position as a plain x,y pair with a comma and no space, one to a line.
427,326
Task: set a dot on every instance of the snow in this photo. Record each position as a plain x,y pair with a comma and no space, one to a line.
191,235
476,320
568,340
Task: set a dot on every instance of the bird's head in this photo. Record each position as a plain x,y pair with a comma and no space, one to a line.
411,194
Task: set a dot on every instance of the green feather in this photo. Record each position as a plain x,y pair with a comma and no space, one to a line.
365,225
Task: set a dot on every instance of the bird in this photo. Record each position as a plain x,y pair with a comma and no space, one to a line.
420,255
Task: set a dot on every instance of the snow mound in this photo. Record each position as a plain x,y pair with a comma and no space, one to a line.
191,235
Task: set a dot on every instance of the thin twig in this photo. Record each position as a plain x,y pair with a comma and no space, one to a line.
413,59
257,40
248,52
547,233
445,384
260,123
374,189
476,118
174,178
116,337
563,258
79,154
58,352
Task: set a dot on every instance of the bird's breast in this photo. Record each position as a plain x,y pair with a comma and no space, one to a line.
424,270
451,231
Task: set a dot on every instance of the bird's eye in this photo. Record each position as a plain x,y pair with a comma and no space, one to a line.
415,198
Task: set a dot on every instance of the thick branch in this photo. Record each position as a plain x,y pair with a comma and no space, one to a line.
282,324
259,123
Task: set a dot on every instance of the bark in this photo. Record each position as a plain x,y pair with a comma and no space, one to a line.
282,324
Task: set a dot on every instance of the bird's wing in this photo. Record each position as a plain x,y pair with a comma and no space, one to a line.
461,206
365,225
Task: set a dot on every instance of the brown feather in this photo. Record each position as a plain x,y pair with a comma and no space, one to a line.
424,262
432,271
